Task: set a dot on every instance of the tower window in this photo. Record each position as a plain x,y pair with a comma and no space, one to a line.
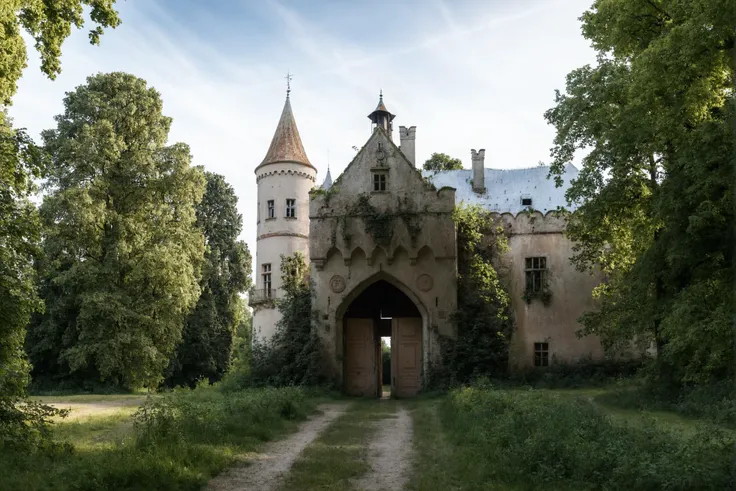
536,273
290,208
266,280
541,354
379,181
526,201
271,209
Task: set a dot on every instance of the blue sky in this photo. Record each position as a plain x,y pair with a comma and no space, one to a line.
468,74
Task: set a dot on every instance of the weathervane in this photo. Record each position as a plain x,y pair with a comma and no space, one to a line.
288,78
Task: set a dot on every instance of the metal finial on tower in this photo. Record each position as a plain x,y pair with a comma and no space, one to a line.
380,94
288,78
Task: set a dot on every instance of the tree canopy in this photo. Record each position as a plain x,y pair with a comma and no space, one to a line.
441,161
122,255
207,342
49,23
656,188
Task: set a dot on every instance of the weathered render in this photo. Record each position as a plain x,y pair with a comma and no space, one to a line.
283,226
404,236
382,247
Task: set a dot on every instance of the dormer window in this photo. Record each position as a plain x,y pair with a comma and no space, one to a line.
379,181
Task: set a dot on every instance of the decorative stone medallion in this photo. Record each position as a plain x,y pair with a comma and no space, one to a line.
425,282
337,283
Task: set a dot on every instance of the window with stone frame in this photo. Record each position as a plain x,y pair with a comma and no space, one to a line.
536,274
266,280
380,181
270,209
541,354
290,208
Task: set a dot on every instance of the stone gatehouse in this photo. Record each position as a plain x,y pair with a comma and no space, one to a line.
382,248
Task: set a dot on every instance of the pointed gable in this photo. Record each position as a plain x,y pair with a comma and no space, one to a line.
380,153
286,145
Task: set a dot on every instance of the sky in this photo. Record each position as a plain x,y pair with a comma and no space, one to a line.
469,74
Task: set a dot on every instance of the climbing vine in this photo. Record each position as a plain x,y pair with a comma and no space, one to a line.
483,320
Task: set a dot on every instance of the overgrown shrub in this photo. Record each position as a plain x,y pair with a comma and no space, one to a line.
210,416
583,373
293,355
715,401
535,439
482,321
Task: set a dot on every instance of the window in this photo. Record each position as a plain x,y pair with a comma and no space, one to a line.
271,209
536,273
541,354
379,181
290,208
526,201
267,280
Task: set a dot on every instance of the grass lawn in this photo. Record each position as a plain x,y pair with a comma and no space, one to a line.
520,439
187,438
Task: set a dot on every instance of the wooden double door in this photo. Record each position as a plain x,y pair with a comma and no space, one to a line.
363,357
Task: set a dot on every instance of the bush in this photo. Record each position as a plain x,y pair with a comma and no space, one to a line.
536,439
715,401
583,373
210,416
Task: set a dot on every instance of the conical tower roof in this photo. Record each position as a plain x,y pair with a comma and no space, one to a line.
286,145
327,184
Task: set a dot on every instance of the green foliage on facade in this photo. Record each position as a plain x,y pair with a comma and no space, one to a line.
440,162
482,321
293,355
121,254
207,339
656,188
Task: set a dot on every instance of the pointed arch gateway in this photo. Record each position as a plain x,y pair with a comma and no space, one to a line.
382,306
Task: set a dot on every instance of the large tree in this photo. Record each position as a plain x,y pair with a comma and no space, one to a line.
122,254
49,23
441,161
656,188
207,343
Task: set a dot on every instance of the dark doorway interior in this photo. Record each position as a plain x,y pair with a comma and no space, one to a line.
380,302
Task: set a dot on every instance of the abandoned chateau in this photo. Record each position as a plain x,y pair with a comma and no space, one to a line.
370,282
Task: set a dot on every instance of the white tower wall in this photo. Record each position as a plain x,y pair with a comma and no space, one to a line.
284,174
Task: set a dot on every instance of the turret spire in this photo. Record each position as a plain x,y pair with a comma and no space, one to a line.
382,117
286,145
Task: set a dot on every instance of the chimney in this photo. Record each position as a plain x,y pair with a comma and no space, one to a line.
408,136
479,184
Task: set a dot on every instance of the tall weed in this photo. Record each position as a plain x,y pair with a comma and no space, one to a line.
531,439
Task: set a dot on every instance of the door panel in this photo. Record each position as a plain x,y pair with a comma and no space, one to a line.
406,355
360,358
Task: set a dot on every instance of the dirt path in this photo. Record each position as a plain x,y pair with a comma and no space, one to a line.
264,471
389,454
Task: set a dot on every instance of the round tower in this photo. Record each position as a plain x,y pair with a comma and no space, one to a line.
284,180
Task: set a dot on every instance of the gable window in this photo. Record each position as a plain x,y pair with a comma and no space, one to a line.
271,209
536,274
541,354
290,208
526,201
266,280
379,181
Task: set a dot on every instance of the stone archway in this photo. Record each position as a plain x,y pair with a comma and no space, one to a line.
382,307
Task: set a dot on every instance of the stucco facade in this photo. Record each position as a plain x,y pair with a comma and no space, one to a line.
382,248
284,178
348,253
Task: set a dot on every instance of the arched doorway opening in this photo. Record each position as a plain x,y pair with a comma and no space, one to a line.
382,311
